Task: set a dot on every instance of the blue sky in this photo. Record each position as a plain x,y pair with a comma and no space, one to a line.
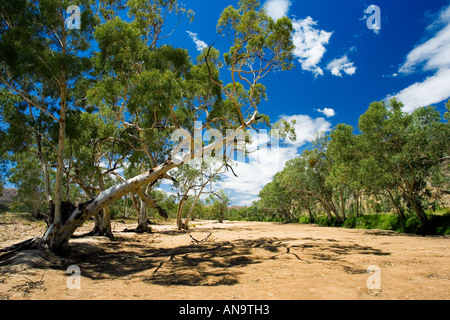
341,67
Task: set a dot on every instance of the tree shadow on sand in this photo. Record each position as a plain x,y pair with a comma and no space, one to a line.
207,264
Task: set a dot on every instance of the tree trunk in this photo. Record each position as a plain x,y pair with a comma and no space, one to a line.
222,212
311,216
102,219
57,235
421,215
102,224
191,210
328,212
143,218
330,208
126,207
44,167
59,170
342,203
136,206
396,202
180,224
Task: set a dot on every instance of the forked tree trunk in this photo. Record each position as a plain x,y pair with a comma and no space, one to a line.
145,202
58,234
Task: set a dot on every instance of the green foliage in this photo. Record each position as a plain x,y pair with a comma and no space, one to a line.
389,165
27,176
439,224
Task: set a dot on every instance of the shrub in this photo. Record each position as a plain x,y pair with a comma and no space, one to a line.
304,220
440,224
4,207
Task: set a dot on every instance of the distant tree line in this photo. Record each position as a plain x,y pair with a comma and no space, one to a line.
392,162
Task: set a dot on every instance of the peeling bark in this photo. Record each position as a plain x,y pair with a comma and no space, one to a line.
57,236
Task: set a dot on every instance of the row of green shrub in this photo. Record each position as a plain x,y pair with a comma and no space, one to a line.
439,224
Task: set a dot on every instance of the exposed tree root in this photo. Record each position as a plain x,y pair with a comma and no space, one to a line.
30,244
139,229
97,232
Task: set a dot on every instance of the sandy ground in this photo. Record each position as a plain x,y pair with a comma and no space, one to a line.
239,261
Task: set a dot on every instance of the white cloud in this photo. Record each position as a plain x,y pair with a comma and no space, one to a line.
199,43
309,44
337,66
328,112
277,8
307,128
432,55
432,90
265,163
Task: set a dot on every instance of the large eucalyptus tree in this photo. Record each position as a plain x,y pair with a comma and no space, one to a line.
156,91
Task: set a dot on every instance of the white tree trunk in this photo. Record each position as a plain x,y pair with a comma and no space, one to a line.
143,218
57,235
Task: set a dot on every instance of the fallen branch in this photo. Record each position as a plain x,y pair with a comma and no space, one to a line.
197,242
28,287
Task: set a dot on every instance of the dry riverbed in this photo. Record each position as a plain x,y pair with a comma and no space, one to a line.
239,261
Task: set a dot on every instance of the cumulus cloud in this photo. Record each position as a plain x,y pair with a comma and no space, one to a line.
432,55
309,44
328,112
307,128
277,8
337,66
263,160
199,43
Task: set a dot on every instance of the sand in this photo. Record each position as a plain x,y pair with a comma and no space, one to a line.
239,261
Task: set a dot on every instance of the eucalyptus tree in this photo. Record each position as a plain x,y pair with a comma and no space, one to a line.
218,202
96,156
41,63
27,176
345,174
304,182
319,164
27,133
258,46
140,83
407,147
276,198
194,177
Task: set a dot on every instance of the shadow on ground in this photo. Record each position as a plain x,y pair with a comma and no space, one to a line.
208,264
